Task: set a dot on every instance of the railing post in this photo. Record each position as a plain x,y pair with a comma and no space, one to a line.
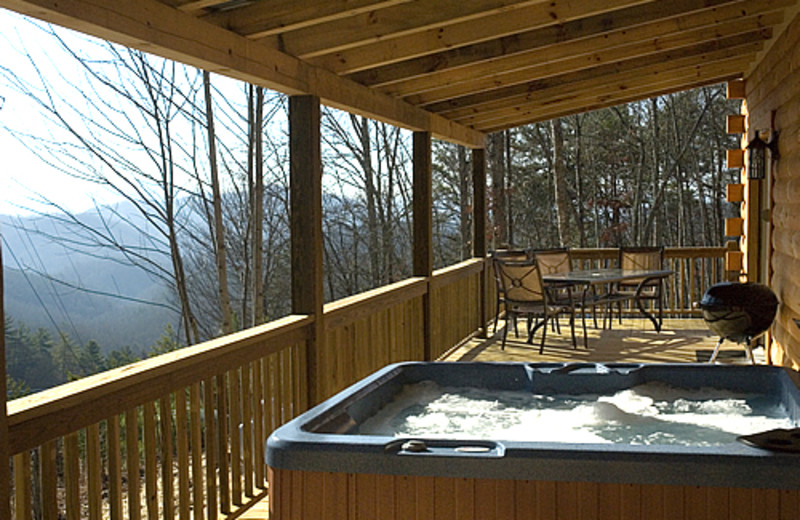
423,227
5,473
306,227
479,229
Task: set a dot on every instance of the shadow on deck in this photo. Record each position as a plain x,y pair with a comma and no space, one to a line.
680,341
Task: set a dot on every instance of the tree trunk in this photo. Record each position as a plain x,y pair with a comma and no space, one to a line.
465,224
497,170
578,207
560,183
218,236
257,212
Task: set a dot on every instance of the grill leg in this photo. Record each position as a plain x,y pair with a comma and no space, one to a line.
716,350
749,347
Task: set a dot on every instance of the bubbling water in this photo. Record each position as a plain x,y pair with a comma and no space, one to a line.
653,413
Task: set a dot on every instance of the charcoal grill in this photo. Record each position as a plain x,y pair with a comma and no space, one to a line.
738,312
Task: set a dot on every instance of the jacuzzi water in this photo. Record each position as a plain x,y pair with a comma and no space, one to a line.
647,414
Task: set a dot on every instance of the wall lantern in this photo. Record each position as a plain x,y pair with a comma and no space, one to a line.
757,155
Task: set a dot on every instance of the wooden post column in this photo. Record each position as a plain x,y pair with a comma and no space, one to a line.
479,228
5,474
423,226
306,227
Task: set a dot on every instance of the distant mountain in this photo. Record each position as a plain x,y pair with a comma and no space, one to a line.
43,273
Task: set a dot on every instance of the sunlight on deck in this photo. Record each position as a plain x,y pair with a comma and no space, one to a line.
680,341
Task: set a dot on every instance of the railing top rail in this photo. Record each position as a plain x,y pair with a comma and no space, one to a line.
52,413
669,252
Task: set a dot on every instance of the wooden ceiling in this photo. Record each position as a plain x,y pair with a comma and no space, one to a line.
457,68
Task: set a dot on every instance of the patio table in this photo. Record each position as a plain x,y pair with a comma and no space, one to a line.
589,278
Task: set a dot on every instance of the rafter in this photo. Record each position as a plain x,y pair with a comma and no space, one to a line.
626,27
588,54
599,101
670,15
633,86
610,73
690,43
415,38
268,17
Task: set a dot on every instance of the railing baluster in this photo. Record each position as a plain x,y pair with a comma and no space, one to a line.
222,422
247,430
150,461
132,464
692,284
197,452
236,445
94,472
182,445
47,458
167,479
258,418
212,446
22,486
114,451
72,476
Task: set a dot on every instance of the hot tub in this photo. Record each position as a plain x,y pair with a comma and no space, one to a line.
323,466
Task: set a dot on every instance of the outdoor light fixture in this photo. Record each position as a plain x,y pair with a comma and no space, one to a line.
757,155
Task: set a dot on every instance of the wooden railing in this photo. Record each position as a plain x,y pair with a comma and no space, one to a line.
182,435
696,269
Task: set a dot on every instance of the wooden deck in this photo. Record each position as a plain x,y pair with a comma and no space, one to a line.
681,341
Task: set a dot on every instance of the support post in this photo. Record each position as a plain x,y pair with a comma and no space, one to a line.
423,226
5,473
306,228
479,229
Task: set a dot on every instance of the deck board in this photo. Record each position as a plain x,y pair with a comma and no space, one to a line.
681,341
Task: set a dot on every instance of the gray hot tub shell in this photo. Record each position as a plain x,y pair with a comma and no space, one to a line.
325,438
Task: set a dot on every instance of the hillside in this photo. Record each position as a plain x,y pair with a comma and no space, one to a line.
44,275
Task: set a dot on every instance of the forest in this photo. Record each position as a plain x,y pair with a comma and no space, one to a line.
204,162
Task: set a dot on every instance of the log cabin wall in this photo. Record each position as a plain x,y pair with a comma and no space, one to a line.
773,229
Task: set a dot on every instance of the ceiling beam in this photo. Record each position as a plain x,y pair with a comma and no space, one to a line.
386,48
584,54
516,68
610,100
668,17
403,20
156,28
268,17
631,89
604,78
617,60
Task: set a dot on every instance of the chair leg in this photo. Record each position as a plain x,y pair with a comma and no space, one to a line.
572,329
505,331
716,351
496,315
544,334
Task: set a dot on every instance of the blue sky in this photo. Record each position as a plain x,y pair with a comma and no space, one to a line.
24,177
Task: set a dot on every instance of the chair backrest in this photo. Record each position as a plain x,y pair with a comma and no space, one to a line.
553,260
521,281
641,257
516,255
511,255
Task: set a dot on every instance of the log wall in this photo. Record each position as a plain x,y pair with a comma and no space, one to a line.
773,101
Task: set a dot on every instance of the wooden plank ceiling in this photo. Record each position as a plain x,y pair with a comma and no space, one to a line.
455,66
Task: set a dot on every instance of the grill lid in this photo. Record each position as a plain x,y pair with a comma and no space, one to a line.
739,311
